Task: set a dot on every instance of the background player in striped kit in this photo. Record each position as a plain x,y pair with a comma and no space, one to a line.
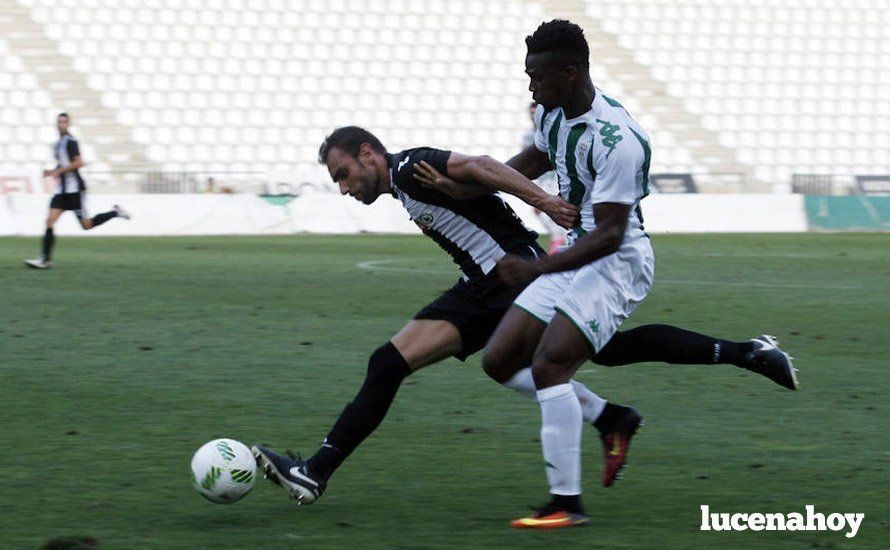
475,230
70,193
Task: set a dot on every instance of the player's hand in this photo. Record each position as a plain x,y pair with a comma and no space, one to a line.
516,271
431,178
563,213
47,173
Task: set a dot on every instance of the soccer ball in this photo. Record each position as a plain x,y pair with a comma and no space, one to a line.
223,470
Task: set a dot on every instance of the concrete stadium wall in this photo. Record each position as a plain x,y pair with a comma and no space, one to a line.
243,214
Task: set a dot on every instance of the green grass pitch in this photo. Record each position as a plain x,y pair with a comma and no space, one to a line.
119,363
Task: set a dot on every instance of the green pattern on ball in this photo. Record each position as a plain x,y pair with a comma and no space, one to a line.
242,476
226,451
211,478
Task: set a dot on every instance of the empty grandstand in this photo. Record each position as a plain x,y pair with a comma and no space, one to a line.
738,97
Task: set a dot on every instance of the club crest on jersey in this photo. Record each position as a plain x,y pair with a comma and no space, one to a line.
425,220
582,149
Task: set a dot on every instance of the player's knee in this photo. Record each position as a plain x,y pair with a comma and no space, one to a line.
496,364
387,365
549,370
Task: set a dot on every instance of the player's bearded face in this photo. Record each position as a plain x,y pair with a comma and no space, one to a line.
367,184
355,176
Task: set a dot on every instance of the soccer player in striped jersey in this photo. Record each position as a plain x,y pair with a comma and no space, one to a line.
476,233
70,193
573,302
477,228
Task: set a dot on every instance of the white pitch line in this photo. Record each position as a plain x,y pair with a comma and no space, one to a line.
376,265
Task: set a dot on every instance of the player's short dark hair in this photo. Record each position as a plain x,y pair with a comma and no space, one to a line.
563,37
62,115
349,139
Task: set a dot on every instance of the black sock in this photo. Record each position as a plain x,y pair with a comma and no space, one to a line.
386,370
326,460
668,344
99,219
569,503
49,239
733,353
609,417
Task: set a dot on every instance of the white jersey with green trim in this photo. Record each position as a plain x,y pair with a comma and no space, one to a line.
600,156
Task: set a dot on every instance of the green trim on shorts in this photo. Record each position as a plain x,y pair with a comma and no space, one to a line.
530,314
580,329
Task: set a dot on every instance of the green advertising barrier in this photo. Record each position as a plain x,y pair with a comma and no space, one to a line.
278,200
854,213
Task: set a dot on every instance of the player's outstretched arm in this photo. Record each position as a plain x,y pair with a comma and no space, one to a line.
611,223
431,178
486,171
531,163
562,212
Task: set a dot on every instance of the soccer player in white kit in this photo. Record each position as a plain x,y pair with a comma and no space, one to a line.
582,295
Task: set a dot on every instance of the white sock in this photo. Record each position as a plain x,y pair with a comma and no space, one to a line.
524,383
592,405
561,424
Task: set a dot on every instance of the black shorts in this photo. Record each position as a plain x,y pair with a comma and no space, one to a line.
69,201
476,307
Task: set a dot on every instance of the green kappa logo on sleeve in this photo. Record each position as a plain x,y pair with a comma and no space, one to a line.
610,134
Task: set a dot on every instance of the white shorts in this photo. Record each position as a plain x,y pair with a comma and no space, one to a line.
597,297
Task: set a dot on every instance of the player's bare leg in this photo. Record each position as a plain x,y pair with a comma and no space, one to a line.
53,217
508,358
512,346
423,342
562,349
418,344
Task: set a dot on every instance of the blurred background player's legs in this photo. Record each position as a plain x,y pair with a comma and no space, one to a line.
44,261
57,208
99,219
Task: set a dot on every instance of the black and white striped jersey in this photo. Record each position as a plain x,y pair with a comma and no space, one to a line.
475,232
65,150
